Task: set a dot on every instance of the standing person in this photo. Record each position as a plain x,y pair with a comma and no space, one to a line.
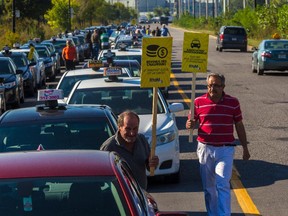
95,40
69,55
158,31
132,146
217,113
164,31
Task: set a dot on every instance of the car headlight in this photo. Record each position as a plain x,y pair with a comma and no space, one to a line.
162,139
10,84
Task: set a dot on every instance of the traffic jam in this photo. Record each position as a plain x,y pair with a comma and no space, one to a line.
66,155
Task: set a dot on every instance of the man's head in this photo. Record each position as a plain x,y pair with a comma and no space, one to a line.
216,85
128,125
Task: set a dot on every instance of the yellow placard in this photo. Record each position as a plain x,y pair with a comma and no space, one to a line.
156,62
195,52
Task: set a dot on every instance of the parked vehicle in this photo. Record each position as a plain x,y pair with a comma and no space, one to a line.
271,55
29,75
74,183
13,82
231,37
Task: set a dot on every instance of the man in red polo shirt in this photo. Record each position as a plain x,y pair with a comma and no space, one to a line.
69,55
217,113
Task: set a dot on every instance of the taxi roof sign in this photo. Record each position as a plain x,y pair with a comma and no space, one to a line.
50,94
95,64
112,71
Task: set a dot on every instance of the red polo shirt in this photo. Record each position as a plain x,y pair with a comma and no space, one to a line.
216,120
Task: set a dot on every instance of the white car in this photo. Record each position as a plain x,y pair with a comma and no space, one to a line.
126,94
124,53
69,78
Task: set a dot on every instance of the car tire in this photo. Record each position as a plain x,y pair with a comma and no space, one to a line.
259,71
244,50
254,70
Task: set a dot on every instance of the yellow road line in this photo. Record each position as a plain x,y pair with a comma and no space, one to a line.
247,205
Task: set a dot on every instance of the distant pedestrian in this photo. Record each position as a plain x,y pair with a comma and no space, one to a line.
158,31
164,31
69,55
95,39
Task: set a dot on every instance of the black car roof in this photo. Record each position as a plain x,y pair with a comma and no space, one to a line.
31,114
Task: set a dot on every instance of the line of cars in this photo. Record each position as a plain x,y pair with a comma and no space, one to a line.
39,139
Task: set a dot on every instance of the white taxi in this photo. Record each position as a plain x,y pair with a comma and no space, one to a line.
125,93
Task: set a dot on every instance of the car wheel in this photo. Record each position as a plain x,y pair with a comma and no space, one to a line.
253,66
259,71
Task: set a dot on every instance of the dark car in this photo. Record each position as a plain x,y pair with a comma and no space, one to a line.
72,183
13,82
271,55
29,76
54,55
231,37
56,127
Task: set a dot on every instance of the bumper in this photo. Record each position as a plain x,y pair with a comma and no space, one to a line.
232,46
11,96
274,65
169,159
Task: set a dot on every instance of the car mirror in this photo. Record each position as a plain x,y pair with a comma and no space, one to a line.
176,107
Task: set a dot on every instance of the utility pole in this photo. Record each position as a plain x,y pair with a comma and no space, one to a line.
69,14
13,16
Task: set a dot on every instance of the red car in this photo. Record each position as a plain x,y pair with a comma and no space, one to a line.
72,183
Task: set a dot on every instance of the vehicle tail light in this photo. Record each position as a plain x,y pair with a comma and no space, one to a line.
266,54
221,36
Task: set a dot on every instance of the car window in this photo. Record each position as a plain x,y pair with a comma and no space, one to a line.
272,45
97,195
119,99
4,67
70,134
235,31
19,61
68,82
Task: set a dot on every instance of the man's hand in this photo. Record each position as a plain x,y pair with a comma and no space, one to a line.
153,161
190,124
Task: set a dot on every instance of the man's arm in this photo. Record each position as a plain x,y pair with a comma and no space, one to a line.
240,129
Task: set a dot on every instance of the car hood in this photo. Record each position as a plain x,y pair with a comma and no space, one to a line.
164,124
8,77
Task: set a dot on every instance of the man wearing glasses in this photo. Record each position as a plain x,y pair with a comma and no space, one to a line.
217,113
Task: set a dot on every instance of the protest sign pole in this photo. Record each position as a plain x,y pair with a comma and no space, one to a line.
192,104
154,123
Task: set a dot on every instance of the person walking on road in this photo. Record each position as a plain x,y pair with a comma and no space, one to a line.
95,39
164,31
132,146
217,113
69,55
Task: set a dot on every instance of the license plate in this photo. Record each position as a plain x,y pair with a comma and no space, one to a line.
282,56
234,39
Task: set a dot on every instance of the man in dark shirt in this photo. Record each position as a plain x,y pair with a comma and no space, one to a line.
131,146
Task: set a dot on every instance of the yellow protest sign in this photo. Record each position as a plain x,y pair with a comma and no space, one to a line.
195,52
156,62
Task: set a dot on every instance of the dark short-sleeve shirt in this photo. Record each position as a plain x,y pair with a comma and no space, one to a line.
137,159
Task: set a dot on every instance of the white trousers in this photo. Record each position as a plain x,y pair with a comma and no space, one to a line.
216,169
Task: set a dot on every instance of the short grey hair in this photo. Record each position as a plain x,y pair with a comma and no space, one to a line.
217,75
121,117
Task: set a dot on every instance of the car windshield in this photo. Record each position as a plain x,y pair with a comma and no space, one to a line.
62,196
19,61
70,134
119,99
68,82
235,31
4,68
43,53
125,57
